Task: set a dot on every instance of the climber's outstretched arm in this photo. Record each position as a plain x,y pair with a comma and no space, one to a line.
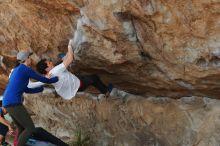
68,59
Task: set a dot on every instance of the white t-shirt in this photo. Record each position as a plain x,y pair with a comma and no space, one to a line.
34,84
68,84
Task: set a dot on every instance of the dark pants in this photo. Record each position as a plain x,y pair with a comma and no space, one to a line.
92,80
3,129
3,132
43,135
26,127
23,121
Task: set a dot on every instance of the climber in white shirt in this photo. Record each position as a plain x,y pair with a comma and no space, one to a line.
68,83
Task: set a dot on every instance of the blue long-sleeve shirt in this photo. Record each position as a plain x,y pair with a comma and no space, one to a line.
18,82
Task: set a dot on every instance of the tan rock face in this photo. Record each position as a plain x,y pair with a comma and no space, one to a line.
131,121
41,26
152,47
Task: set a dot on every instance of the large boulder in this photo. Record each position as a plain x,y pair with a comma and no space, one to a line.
149,47
131,120
152,47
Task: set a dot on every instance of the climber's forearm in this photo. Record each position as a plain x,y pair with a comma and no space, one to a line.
68,59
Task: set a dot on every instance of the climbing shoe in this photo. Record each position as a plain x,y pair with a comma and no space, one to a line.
5,144
109,90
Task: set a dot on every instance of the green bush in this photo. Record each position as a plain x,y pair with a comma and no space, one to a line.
81,140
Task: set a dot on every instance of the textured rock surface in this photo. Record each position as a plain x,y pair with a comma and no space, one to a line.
149,47
132,120
41,26
152,47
